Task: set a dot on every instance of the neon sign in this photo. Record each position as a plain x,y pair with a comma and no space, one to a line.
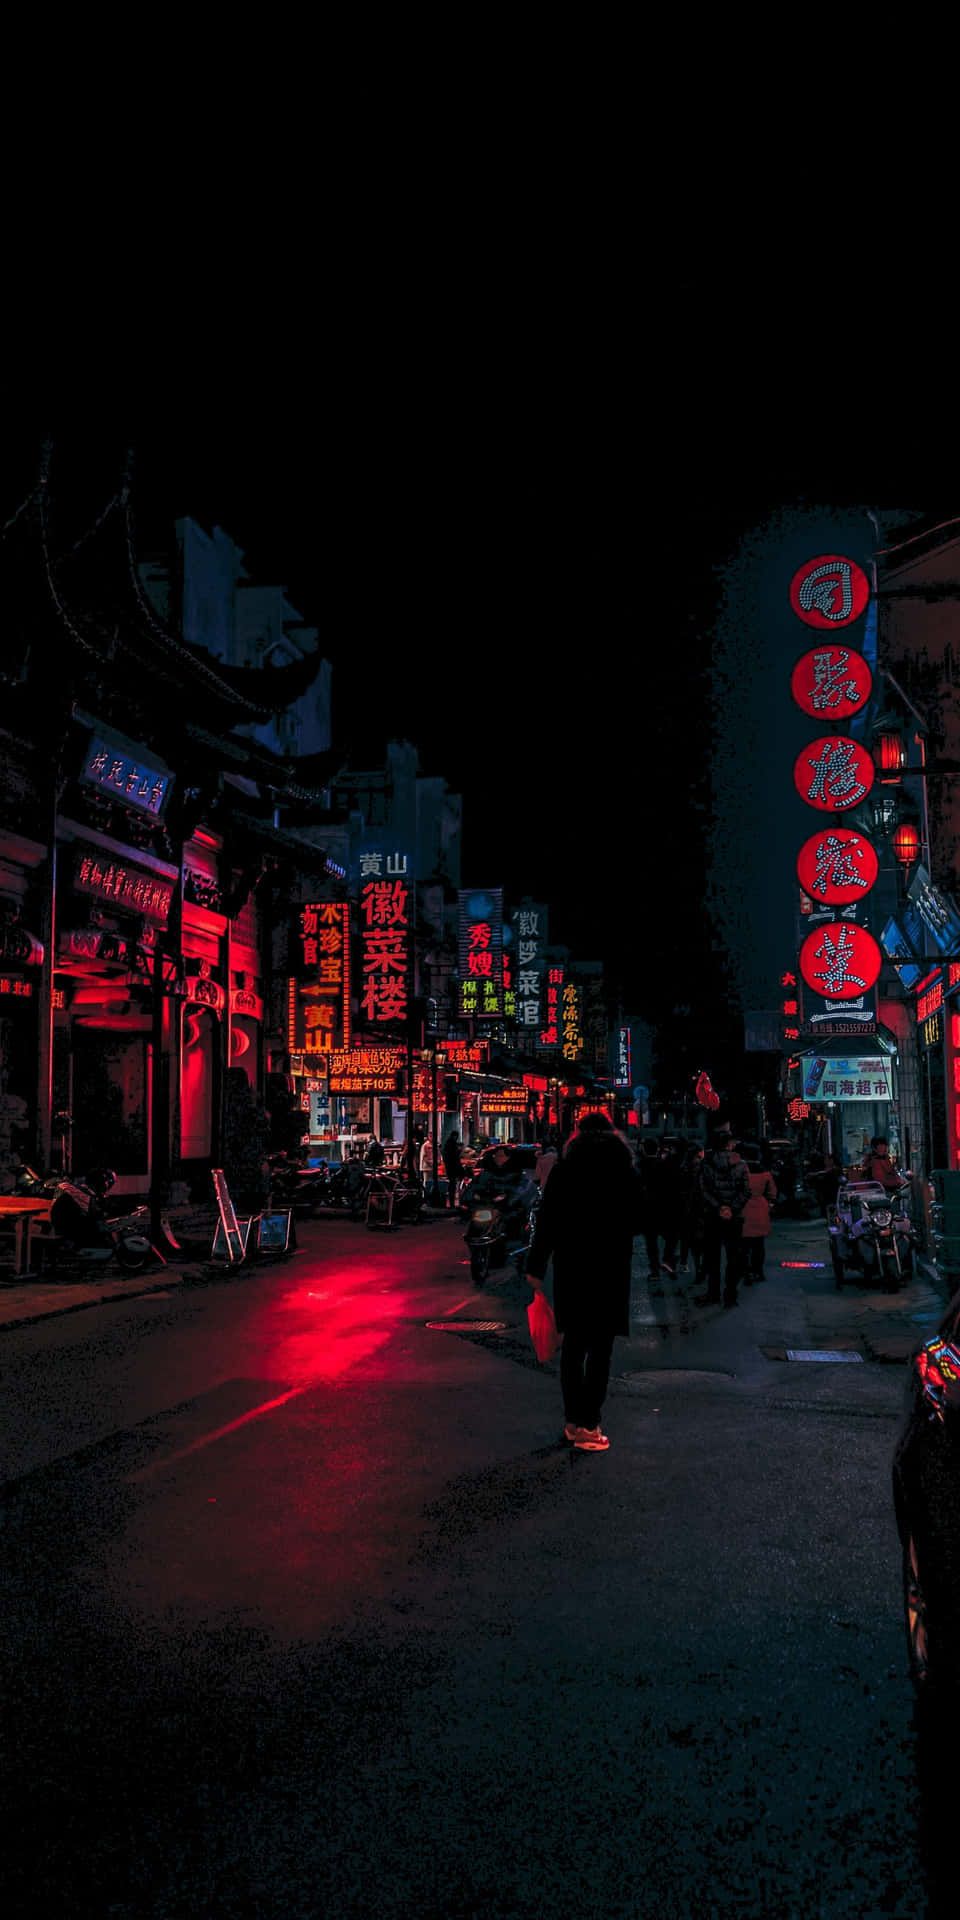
833,773
385,939
840,960
123,886
829,591
481,953
837,866
831,682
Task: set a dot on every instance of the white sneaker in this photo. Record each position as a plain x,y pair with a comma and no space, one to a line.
590,1440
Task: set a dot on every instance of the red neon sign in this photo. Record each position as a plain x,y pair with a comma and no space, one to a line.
833,773
385,929
930,1001
836,866
840,961
829,591
831,682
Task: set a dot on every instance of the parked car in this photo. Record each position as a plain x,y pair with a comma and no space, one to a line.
926,1495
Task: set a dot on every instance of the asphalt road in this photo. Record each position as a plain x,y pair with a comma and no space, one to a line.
307,1611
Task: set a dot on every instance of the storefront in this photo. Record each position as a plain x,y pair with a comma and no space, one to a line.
851,1092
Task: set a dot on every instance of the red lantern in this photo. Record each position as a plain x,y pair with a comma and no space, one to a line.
840,960
890,755
836,866
906,844
829,591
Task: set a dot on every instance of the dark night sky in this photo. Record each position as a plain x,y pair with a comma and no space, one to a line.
507,532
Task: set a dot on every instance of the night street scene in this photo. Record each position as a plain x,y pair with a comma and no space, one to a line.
479,1190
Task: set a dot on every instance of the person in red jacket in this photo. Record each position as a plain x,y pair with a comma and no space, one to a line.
756,1218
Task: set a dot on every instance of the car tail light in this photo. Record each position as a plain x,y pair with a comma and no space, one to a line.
938,1370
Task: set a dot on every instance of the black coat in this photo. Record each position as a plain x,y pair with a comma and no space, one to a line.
590,1212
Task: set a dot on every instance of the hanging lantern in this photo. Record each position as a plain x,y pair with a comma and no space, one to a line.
906,844
890,755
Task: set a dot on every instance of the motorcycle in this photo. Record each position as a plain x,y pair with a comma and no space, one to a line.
871,1232
304,1189
500,1229
78,1219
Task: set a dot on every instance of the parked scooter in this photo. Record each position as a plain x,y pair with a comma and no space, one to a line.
77,1217
500,1229
305,1189
871,1232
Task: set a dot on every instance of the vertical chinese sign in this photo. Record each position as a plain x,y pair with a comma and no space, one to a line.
571,1021
386,926
837,866
530,936
320,996
550,1032
481,954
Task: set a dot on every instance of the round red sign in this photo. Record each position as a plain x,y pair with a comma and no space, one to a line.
840,961
831,682
829,591
836,866
833,773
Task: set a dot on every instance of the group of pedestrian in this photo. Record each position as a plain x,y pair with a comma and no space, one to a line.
714,1203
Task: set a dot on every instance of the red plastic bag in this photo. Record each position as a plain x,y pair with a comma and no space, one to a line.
543,1327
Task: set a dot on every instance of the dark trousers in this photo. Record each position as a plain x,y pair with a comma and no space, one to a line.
584,1372
720,1236
652,1239
753,1253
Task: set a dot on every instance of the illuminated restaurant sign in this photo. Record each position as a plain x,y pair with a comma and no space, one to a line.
571,1019
529,932
837,866
123,886
132,781
323,958
829,591
841,961
833,773
464,1057
367,1070
13,987
481,953
508,1100
624,1073
831,683
385,934
550,1034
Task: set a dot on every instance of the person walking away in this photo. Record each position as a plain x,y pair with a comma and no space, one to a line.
691,1215
661,1206
725,1190
756,1217
546,1161
426,1163
452,1166
590,1213
374,1156
826,1181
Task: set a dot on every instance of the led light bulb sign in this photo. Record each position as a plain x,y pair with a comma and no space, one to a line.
833,773
829,591
836,866
840,960
831,683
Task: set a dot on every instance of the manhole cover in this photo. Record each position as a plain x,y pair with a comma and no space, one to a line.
465,1326
817,1353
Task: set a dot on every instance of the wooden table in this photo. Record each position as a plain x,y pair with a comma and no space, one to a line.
19,1213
